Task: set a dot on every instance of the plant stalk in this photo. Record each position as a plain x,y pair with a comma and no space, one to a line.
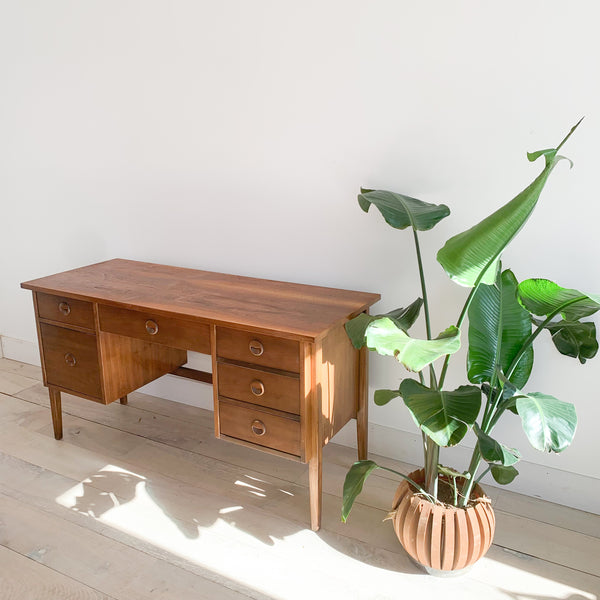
468,485
432,450
432,458
461,318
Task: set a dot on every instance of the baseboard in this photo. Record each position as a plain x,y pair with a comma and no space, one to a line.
20,350
551,484
536,480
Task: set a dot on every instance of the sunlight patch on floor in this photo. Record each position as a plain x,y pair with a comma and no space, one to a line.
240,544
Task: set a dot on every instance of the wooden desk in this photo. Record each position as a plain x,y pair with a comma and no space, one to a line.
285,376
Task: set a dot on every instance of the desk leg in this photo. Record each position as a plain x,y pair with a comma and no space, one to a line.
315,489
55,408
362,408
123,400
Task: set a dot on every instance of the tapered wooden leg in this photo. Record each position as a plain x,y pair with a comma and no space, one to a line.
362,408
55,408
123,400
315,488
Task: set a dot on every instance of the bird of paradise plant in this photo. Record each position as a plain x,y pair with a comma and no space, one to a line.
505,317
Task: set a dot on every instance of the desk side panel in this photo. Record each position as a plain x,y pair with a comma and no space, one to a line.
338,381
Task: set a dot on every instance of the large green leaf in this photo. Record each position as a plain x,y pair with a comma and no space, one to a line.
386,338
353,484
382,397
403,317
575,339
471,257
493,451
498,327
402,211
543,297
504,475
444,416
548,422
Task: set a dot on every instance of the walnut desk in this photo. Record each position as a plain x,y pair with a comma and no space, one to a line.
285,376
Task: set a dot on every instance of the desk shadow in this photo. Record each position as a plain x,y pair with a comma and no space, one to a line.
190,509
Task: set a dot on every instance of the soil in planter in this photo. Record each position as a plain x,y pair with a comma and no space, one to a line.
446,492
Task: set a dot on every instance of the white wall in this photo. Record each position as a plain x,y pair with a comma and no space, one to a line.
234,136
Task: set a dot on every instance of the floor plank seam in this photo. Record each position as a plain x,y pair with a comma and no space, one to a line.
236,466
547,560
146,548
107,596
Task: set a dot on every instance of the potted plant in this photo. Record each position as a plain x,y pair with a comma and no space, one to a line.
440,514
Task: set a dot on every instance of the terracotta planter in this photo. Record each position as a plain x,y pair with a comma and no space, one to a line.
442,538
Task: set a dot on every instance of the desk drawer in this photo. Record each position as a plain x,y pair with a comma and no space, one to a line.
65,310
247,422
169,331
71,359
280,392
258,349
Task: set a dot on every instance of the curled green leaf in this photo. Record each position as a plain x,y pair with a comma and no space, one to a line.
402,211
386,338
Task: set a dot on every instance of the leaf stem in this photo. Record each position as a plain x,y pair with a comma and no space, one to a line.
423,286
469,483
482,475
432,450
413,483
461,318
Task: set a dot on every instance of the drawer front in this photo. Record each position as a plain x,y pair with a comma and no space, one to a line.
71,359
250,424
258,349
259,387
169,331
65,310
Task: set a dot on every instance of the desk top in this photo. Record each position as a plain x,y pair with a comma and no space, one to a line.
301,311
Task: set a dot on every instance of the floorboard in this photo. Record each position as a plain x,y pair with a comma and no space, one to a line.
140,501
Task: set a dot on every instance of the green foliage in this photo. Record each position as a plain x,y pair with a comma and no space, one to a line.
445,417
503,475
471,257
402,211
386,338
353,484
493,451
575,339
548,422
543,297
355,480
502,329
402,317
498,328
382,397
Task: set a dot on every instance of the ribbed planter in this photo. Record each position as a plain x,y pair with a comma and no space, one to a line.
442,538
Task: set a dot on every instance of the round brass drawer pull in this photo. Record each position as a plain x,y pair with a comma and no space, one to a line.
258,427
64,308
152,327
70,359
257,387
256,348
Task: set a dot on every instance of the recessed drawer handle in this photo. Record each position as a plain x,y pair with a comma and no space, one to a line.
257,387
152,327
256,348
258,427
70,359
64,308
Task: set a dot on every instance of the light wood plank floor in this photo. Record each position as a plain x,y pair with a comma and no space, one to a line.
140,501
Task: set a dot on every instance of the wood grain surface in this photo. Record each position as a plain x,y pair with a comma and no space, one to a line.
290,309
